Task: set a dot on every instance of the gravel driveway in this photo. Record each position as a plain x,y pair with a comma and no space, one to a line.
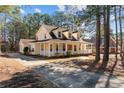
15,75
69,76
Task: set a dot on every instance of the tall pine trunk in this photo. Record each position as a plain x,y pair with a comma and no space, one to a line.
106,35
4,28
97,58
121,40
116,28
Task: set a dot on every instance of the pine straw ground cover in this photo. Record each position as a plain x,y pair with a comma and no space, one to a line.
89,65
15,75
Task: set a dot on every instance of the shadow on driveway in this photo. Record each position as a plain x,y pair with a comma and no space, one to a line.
27,79
68,75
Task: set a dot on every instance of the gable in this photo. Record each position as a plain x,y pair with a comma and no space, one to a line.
58,32
66,34
50,32
53,35
75,35
43,34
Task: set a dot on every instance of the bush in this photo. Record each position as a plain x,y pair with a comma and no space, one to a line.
58,54
3,48
26,50
68,53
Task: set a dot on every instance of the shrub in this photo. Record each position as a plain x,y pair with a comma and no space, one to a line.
3,48
68,53
26,50
58,54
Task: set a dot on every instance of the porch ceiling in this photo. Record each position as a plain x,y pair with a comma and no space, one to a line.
61,41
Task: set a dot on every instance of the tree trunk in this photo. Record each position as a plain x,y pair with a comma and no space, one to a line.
116,27
97,58
4,28
121,40
106,35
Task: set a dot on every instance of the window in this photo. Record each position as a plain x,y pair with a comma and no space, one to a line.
51,47
56,47
42,47
32,50
69,47
80,47
70,35
63,47
88,46
45,36
75,48
59,34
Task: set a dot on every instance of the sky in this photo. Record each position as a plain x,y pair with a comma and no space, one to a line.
49,9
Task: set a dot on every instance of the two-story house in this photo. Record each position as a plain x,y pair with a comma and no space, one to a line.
53,41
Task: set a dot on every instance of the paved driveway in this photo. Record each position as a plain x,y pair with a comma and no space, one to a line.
69,76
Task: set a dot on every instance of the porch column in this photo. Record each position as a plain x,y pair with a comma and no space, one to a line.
40,49
53,48
84,48
44,48
72,48
49,49
66,47
77,48
58,48
81,48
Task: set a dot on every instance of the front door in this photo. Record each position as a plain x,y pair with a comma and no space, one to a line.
69,47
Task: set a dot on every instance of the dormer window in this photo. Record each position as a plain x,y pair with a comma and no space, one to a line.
59,34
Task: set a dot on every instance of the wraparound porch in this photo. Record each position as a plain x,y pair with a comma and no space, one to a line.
57,48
